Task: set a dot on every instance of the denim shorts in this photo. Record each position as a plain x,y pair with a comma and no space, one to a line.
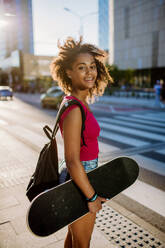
90,164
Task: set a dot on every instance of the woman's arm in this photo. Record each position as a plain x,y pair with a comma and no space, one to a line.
72,142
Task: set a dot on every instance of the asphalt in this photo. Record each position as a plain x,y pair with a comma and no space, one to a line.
132,102
115,226
120,102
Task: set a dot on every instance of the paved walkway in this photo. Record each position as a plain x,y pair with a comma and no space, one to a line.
115,226
15,168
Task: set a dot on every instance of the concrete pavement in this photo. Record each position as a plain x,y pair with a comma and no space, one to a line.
115,226
16,160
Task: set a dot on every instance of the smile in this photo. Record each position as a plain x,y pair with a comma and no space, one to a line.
89,79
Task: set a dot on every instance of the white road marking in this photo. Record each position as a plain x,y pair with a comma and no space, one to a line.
122,139
130,124
150,164
150,117
133,131
155,123
148,196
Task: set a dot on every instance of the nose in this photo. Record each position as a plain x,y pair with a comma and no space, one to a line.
88,70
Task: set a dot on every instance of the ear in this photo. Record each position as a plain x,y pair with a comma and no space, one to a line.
68,72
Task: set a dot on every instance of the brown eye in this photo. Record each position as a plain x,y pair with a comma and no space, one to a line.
93,67
81,68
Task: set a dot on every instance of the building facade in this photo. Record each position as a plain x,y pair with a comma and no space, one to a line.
103,24
35,66
137,37
16,39
17,34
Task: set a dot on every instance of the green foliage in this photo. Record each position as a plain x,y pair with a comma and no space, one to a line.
121,76
115,73
129,75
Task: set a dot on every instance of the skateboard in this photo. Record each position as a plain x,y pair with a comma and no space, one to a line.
62,205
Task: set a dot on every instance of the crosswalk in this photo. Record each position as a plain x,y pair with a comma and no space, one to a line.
118,133
139,131
123,132
136,126
133,130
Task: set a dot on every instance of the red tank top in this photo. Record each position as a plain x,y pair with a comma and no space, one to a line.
91,132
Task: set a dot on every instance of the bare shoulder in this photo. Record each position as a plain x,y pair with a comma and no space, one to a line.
73,121
72,125
73,115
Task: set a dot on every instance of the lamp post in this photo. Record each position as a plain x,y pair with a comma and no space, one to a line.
81,19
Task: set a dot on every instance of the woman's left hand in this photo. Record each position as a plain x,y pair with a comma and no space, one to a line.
96,205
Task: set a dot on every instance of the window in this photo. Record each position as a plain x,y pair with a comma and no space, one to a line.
155,48
127,22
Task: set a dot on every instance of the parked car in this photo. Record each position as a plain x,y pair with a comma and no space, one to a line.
5,92
52,97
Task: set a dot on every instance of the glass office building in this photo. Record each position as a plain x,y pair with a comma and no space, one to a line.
17,34
139,37
103,24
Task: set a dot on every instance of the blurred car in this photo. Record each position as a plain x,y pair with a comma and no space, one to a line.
5,92
52,97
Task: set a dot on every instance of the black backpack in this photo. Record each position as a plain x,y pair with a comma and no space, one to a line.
46,174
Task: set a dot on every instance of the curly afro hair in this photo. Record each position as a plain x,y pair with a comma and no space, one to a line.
68,54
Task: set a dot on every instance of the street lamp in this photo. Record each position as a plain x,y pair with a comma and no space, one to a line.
81,19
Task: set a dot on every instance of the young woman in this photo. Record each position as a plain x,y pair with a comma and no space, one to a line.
81,75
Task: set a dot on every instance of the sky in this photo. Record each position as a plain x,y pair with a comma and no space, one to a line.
52,23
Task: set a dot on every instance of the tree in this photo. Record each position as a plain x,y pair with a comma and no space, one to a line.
116,74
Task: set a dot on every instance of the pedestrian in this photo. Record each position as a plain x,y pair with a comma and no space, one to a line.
157,89
81,74
163,93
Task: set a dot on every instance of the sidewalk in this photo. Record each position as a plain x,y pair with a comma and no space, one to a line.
115,226
15,169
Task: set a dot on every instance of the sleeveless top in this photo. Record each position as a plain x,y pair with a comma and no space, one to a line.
90,150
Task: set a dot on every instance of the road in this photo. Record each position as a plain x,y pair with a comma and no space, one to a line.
135,132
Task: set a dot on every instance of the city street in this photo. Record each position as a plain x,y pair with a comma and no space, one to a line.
126,130
108,47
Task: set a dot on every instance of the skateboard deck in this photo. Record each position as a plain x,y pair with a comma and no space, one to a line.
62,205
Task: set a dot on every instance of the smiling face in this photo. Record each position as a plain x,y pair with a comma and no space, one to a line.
83,73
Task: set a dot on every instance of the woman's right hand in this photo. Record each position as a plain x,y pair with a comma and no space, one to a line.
96,205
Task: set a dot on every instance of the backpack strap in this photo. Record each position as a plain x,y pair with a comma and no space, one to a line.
63,107
48,131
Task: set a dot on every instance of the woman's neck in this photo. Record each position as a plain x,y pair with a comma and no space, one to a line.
81,96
